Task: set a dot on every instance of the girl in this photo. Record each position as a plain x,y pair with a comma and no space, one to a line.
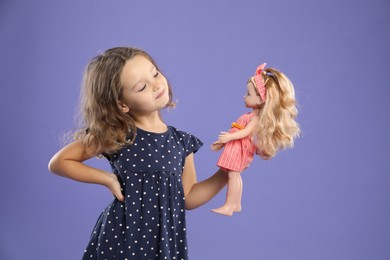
154,178
270,127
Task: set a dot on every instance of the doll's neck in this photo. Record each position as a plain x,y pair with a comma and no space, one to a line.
256,111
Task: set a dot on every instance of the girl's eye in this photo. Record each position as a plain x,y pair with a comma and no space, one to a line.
156,75
142,89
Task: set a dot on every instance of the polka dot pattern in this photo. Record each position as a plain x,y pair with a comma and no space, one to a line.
151,223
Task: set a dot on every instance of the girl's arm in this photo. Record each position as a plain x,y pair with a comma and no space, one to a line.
68,163
198,193
225,137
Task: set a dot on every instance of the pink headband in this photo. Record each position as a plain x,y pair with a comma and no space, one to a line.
259,81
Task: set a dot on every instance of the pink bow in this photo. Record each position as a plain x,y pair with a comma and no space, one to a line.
260,81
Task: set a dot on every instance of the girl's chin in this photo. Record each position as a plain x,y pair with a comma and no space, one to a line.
164,101
166,97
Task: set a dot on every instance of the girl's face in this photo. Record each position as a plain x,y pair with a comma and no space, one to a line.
145,90
252,99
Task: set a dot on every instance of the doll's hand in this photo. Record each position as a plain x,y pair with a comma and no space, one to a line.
224,137
115,187
216,146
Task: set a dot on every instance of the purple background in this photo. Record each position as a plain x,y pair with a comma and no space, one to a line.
326,199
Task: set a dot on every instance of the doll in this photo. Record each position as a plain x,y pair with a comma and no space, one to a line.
267,129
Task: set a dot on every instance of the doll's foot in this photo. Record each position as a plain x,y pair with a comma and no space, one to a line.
224,211
237,209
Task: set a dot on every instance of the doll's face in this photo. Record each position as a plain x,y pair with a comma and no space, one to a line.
252,99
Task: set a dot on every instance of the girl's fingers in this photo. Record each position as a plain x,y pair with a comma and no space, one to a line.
118,194
115,188
120,197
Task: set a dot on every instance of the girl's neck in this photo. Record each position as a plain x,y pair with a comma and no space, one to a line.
151,123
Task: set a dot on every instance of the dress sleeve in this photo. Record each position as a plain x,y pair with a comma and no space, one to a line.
192,143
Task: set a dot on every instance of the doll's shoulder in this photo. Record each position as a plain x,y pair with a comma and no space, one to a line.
248,116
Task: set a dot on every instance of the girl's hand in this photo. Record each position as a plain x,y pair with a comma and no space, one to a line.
115,187
216,146
224,137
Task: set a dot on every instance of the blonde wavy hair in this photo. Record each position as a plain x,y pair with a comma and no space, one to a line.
277,127
104,128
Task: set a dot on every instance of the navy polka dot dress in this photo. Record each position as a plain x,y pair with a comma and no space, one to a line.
151,223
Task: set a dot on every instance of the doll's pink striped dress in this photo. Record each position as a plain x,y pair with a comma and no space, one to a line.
238,154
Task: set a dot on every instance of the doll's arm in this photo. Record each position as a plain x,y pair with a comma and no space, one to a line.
198,193
216,146
68,162
225,137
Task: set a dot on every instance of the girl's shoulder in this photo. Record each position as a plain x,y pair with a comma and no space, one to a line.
176,130
188,140
180,133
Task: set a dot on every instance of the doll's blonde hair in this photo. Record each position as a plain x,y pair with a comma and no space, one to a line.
104,127
277,127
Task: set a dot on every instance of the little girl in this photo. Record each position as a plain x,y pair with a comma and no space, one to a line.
154,177
268,128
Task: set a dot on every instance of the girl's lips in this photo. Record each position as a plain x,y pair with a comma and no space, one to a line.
160,94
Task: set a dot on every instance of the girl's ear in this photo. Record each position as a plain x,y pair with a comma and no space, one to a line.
123,107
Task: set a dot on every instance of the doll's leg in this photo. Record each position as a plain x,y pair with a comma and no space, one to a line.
237,208
233,194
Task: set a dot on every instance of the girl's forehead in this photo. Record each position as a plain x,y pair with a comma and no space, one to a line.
138,63
136,68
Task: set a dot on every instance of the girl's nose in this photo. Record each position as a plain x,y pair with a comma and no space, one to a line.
156,87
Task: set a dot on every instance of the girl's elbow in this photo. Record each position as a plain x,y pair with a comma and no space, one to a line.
189,207
187,204
53,165
50,166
